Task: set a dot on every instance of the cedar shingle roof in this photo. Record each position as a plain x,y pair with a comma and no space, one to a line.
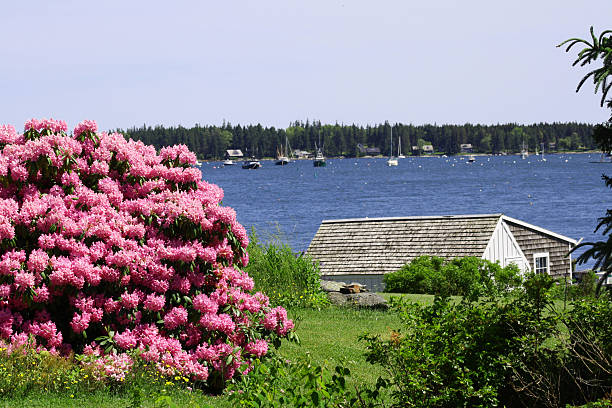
382,245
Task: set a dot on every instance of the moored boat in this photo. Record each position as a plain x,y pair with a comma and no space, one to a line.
282,155
319,160
399,148
282,160
251,164
392,160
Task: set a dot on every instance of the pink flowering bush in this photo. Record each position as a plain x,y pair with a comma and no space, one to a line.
108,247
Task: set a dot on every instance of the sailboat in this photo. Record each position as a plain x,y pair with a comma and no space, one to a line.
282,157
399,148
524,152
392,160
543,158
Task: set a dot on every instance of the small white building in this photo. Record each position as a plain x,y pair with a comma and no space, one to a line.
233,154
363,250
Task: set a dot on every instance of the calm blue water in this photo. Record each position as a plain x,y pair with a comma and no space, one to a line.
564,194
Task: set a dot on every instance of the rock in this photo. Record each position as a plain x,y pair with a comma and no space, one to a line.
367,299
355,294
337,298
331,286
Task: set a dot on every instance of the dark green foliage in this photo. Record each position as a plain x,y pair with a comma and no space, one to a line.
513,350
288,279
599,48
587,287
282,383
211,142
469,276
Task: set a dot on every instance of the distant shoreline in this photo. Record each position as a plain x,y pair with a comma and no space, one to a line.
413,157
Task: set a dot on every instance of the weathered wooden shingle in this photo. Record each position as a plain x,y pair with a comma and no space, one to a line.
382,245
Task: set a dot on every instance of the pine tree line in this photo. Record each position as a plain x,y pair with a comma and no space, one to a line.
211,142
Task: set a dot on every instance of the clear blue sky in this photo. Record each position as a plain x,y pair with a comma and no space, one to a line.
126,63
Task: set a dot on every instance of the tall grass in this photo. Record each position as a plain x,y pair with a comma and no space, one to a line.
30,378
289,279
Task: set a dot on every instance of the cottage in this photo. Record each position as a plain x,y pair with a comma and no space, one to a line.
370,151
425,149
302,154
233,154
363,250
466,148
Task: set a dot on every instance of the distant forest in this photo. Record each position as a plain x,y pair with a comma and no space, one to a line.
211,142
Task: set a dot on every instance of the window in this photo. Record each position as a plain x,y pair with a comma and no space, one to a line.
541,263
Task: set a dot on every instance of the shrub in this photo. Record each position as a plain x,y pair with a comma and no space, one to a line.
416,276
283,383
514,350
104,242
288,279
468,276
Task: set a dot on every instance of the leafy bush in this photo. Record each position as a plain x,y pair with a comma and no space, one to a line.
103,238
586,287
514,350
288,279
469,276
282,383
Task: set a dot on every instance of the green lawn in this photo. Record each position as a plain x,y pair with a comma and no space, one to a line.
328,337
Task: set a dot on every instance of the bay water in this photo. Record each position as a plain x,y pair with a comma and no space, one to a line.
563,193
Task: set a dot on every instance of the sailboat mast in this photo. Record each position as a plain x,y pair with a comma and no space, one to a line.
391,149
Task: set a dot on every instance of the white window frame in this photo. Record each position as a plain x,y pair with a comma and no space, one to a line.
541,255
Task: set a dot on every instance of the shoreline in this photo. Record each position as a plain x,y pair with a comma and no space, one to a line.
412,157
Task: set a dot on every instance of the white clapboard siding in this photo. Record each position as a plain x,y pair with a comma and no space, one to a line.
503,248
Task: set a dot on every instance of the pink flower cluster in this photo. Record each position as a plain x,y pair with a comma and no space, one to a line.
55,126
86,125
101,237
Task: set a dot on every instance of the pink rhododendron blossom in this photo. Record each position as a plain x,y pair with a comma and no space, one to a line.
257,348
154,302
176,317
104,237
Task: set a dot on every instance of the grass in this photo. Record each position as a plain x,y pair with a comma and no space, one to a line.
103,399
328,336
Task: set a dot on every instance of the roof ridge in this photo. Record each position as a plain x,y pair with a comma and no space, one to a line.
408,218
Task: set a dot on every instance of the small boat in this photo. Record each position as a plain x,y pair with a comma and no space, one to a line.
524,151
228,162
471,159
392,160
319,160
604,158
399,148
251,164
282,158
